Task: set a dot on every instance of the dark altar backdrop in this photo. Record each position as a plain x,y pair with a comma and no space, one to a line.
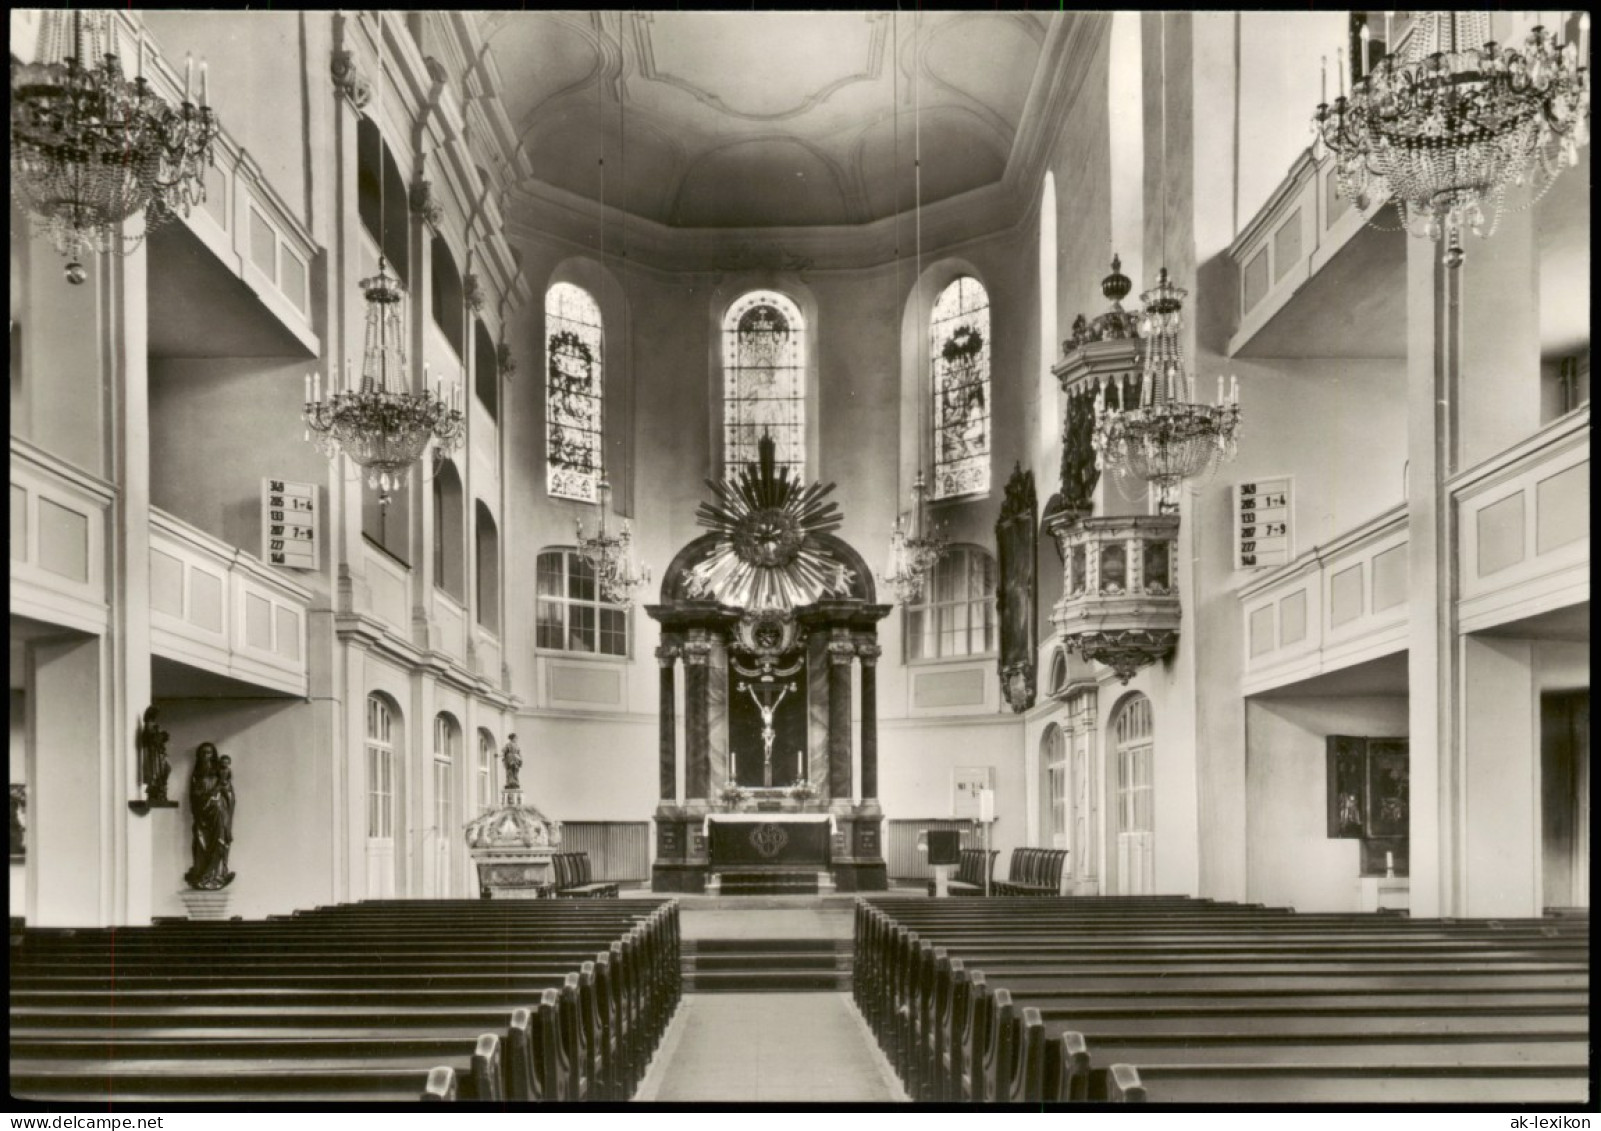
789,721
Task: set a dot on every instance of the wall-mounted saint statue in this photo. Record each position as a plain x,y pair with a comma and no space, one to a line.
211,805
153,767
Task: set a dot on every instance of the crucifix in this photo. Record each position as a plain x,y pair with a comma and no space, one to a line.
767,695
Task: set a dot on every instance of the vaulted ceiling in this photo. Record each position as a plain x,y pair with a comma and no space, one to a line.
715,120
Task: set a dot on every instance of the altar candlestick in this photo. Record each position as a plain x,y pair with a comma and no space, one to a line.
316,385
1389,865
1389,42
141,72
202,83
1234,390
308,386
1355,73
188,76
1339,68
1323,81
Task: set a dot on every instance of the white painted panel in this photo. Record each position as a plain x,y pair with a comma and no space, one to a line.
287,644
205,600
166,584
1500,535
1262,630
63,541
575,684
19,523
1292,618
961,688
1389,578
1562,508
258,622
1345,595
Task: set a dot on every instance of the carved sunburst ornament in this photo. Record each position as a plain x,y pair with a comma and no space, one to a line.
767,556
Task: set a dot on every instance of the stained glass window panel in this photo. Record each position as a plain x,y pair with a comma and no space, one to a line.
959,344
573,383
764,382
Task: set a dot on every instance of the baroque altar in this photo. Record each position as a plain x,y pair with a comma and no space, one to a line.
774,621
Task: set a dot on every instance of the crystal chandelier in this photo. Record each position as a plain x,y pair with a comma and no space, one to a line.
90,150
612,555
1167,437
913,549
1447,126
379,424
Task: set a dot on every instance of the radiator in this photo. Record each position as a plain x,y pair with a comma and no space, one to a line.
900,844
618,850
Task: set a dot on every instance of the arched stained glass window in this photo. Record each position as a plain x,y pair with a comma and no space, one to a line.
959,344
764,381
573,384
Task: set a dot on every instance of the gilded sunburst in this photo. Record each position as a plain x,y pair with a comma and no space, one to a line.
767,556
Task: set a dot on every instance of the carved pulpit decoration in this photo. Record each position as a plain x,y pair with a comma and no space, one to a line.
770,614
1016,596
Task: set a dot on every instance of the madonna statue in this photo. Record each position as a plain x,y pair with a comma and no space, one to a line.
211,804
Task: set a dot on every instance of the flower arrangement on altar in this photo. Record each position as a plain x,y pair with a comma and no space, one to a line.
731,795
803,791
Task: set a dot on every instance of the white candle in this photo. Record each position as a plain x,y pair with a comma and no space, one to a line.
1220,388
308,386
1584,39
1323,81
1389,43
1339,67
1234,390
1389,863
202,83
1356,72
141,73
316,385
188,76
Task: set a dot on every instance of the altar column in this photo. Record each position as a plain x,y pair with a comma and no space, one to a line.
841,651
868,653
697,722
667,742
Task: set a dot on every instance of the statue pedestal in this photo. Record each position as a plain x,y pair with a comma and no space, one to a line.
212,905
512,847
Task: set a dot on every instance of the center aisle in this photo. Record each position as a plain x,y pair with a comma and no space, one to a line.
769,1048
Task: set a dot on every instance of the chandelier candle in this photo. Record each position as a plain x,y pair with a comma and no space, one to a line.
1448,126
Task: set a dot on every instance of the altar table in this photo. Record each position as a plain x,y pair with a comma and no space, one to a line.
792,840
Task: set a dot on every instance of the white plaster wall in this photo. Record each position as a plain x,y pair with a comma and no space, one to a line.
257,60
1291,859
916,760
589,769
283,822
1500,757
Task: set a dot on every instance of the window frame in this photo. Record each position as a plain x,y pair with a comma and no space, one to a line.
565,601
596,438
925,604
984,382
484,771
380,750
800,330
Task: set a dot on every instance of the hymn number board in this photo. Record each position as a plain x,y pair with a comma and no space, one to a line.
289,524
1262,523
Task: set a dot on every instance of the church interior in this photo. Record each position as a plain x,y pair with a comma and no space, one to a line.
757,514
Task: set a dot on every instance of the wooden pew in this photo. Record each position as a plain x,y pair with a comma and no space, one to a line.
1034,872
603,1028
1383,1084
971,1041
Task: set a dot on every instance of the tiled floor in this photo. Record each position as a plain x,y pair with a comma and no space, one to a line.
769,1048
